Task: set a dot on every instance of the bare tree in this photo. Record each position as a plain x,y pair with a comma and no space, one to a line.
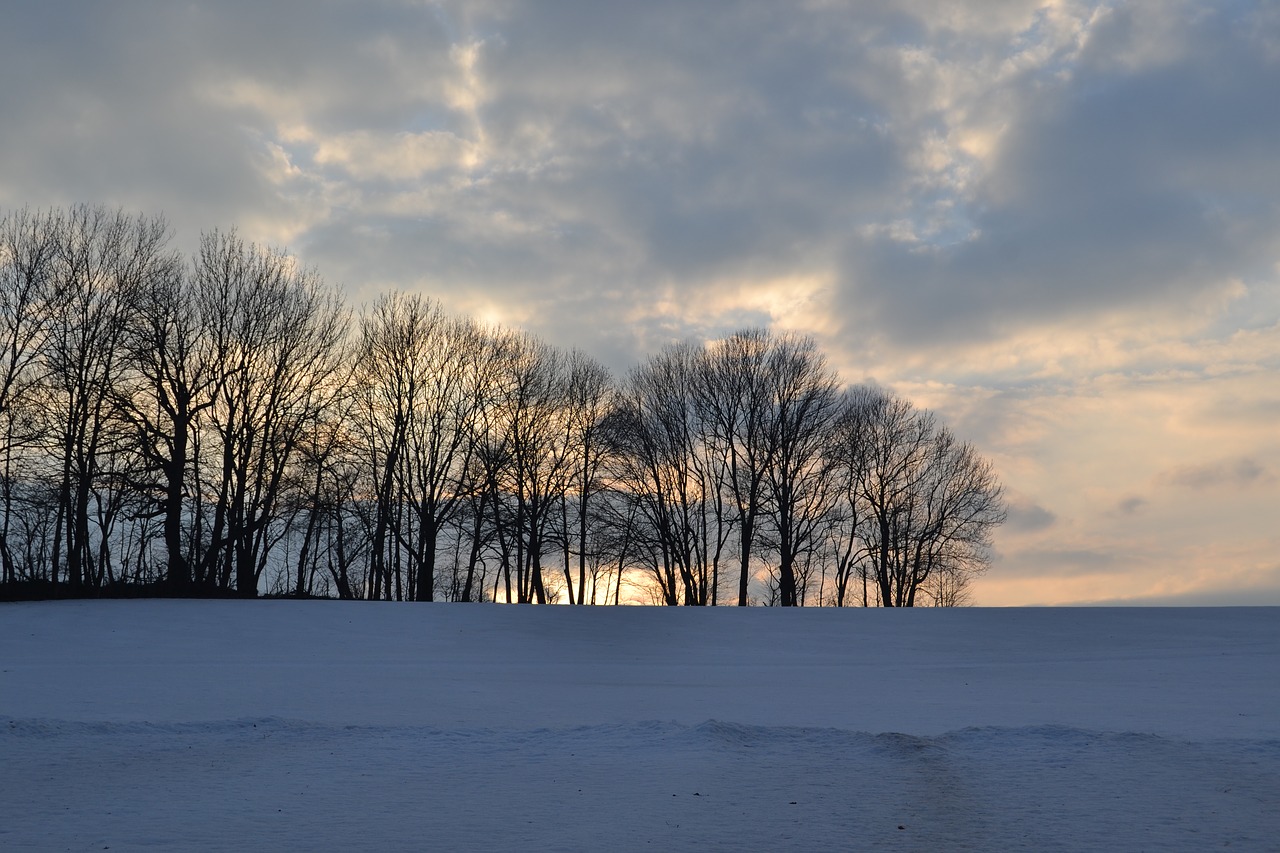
800,417
587,401
659,458
204,425
847,544
961,504
284,364
103,259
322,477
538,467
177,344
487,528
28,252
925,504
420,378
733,398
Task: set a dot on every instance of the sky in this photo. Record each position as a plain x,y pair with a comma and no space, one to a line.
1055,223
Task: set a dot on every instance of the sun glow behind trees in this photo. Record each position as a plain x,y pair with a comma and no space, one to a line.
416,455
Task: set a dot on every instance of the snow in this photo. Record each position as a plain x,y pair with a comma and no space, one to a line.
216,725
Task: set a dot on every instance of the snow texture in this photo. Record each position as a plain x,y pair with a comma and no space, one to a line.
165,725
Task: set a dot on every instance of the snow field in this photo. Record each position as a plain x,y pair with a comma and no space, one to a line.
164,725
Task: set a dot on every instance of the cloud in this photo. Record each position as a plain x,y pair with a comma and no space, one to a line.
954,174
1060,563
1232,584
1228,472
1131,505
1261,595
1112,185
1026,516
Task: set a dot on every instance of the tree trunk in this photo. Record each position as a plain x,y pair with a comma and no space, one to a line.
748,533
426,580
178,574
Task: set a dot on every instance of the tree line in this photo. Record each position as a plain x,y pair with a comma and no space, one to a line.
224,424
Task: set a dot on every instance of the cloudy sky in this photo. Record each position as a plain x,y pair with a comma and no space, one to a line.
1057,223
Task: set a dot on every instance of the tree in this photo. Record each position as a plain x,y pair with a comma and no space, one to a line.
28,252
177,345
803,400
659,460
420,377
103,259
847,545
588,398
490,458
323,477
203,425
925,505
284,365
733,398
537,466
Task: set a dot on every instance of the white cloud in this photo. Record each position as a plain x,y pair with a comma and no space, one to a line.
366,156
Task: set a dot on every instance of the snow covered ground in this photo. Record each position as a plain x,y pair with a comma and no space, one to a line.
274,725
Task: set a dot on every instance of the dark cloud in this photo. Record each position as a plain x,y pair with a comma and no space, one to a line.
146,104
1112,187
1131,505
98,108
711,145
640,155
638,148
1227,472
1027,516
1058,563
